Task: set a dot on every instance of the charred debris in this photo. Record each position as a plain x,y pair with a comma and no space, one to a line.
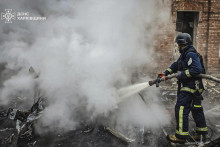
17,127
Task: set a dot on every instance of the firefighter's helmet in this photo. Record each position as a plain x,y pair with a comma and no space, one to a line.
183,39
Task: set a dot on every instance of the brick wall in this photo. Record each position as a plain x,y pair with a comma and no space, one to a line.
208,33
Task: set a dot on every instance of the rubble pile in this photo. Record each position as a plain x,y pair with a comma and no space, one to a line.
211,105
17,127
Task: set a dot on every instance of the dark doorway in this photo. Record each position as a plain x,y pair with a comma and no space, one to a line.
187,22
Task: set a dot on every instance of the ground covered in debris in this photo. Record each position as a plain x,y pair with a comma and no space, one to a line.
211,105
97,136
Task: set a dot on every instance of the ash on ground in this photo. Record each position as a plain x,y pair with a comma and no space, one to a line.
95,135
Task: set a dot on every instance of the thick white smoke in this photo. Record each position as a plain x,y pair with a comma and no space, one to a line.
84,51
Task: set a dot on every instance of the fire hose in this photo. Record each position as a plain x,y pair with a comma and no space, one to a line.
130,90
204,76
136,88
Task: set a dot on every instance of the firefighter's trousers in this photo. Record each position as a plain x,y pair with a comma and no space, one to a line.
187,102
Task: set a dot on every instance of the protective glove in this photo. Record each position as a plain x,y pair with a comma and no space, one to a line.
178,75
161,75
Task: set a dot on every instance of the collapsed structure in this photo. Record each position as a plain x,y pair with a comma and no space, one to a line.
23,131
200,18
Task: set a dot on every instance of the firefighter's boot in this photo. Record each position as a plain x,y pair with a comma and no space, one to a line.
174,139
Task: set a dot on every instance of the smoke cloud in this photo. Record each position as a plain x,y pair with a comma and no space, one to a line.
84,51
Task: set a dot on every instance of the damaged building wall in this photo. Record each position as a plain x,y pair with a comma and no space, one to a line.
206,32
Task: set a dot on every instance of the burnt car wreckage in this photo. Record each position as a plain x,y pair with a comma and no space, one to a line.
17,127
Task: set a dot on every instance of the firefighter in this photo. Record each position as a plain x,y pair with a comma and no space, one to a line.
190,88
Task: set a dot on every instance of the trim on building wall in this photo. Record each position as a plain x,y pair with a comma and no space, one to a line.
207,35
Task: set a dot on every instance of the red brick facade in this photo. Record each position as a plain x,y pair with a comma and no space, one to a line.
207,39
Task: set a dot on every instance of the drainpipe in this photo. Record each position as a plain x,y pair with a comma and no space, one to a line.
207,35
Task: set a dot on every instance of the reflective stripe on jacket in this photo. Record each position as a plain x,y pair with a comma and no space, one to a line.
190,66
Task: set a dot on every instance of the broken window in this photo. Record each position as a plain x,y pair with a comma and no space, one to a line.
187,22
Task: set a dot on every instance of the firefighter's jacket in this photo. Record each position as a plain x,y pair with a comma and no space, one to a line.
190,66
